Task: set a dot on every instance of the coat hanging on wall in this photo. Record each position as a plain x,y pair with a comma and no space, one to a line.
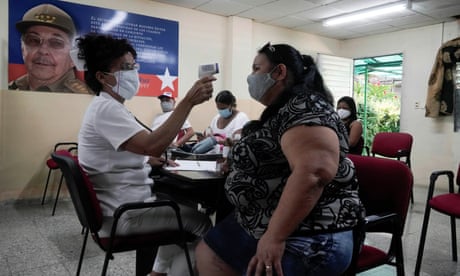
441,85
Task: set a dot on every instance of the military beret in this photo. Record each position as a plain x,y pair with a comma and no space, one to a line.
47,15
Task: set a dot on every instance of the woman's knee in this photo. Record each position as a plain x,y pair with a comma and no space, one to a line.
208,263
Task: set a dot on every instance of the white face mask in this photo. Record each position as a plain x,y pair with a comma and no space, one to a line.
258,84
343,113
127,83
167,106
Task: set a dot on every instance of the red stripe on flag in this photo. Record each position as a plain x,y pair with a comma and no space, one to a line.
151,86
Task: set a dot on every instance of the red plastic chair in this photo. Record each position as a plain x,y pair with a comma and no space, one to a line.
62,147
89,213
447,204
384,188
396,145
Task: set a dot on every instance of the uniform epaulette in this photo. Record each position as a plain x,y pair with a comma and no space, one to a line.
77,86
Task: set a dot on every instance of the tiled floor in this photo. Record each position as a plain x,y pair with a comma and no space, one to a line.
32,242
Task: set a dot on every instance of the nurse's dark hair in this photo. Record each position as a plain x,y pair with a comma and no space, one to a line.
302,75
99,52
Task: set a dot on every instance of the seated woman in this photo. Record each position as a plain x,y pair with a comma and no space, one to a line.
116,151
346,108
226,126
293,187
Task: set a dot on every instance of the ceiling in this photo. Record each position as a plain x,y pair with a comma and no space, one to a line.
306,16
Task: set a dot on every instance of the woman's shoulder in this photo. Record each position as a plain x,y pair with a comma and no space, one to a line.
356,123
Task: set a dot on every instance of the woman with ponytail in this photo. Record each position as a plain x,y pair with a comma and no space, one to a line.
293,188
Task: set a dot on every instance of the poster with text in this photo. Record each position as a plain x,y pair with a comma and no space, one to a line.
156,41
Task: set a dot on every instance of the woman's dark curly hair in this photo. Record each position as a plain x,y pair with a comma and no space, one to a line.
302,75
99,52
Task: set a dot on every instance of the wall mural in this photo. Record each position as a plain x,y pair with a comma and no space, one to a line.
42,33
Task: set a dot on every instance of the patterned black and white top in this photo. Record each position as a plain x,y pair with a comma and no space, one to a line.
259,171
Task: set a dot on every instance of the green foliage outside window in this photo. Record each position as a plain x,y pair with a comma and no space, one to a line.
379,112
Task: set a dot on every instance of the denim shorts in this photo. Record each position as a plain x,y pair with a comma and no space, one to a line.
322,254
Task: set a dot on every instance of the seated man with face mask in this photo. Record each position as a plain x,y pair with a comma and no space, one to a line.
167,102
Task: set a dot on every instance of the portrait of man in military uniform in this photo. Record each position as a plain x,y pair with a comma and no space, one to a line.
47,34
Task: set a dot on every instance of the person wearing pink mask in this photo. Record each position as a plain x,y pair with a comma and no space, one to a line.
47,33
117,151
346,108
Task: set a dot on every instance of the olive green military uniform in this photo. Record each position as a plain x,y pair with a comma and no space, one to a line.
68,83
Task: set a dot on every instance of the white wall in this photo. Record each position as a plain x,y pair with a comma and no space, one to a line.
436,146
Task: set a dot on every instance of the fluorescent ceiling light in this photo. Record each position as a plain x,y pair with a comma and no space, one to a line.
364,14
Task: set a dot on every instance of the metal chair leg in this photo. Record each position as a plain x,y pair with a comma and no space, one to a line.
189,261
82,253
46,186
421,246
57,194
454,238
145,258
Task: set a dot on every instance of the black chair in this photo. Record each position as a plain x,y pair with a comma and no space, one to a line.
89,214
62,147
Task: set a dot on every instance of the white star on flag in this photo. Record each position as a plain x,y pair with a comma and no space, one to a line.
167,80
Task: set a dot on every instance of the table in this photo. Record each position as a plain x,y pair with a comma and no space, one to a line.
198,189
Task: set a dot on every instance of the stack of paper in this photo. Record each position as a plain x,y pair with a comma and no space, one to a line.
194,165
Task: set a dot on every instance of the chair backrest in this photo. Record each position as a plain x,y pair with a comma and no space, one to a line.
392,144
384,185
61,148
81,191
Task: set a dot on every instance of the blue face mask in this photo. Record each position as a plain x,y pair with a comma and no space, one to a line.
225,113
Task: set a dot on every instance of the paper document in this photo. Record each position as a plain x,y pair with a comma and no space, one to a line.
193,165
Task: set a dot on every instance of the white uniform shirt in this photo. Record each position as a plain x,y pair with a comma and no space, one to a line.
237,123
118,176
160,118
